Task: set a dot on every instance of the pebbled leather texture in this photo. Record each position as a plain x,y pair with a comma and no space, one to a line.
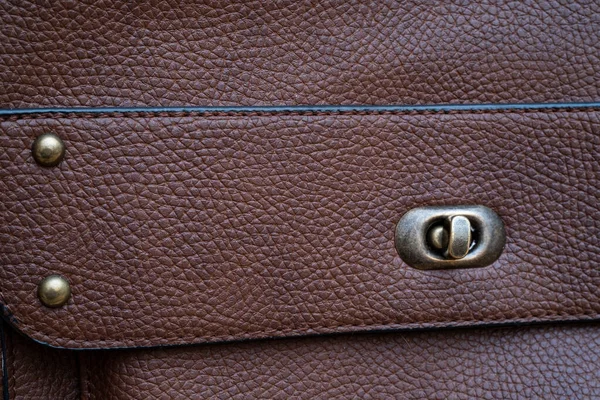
39,372
556,362
181,228
113,53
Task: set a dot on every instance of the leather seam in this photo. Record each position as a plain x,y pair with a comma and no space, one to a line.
84,381
287,113
3,343
331,329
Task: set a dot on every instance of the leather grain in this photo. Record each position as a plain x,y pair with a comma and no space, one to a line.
186,228
556,362
115,53
39,372
177,228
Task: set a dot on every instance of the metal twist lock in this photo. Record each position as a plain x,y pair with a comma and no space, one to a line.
454,237
450,237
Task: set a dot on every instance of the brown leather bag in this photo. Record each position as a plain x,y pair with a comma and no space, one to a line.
226,199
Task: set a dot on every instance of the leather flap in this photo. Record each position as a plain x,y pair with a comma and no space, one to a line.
178,228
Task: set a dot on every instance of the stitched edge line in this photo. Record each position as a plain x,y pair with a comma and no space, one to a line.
259,112
158,341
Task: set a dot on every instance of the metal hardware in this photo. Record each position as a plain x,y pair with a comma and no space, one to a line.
54,291
450,237
48,150
438,237
459,238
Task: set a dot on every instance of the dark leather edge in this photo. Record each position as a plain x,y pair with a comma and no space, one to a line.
303,109
374,329
5,395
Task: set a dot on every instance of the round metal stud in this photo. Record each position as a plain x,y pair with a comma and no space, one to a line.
54,291
48,150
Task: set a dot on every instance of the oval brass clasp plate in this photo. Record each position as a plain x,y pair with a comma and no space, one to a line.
450,237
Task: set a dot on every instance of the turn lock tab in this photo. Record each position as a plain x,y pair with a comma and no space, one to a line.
450,237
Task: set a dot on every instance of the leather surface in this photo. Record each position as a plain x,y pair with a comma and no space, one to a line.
177,228
518,363
114,53
39,372
530,362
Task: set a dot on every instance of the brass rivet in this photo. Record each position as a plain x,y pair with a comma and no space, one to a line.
54,291
48,150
